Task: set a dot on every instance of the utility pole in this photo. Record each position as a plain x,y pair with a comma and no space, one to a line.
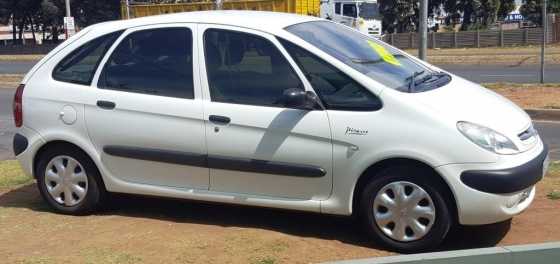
219,5
67,21
423,30
68,8
127,9
544,39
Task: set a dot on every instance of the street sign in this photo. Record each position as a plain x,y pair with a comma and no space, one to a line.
69,26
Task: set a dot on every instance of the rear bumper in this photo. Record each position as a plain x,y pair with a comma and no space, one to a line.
488,193
20,144
507,180
26,144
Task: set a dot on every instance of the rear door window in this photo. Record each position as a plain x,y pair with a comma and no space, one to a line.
152,61
79,66
243,68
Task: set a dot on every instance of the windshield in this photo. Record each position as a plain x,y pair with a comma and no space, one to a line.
369,10
369,56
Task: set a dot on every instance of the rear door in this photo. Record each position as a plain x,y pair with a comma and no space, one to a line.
146,116
257,146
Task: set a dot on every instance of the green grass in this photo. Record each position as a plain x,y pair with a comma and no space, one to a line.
552,179
502,85
11,175
553,195
265,260
554,169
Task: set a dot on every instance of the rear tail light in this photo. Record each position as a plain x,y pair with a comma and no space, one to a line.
18,106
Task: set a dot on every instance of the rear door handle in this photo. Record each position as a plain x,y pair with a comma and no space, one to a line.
222,120
108,105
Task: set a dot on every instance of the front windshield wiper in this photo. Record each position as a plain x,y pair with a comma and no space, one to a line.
365,61
412,82
432,78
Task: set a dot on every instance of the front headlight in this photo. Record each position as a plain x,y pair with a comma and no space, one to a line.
487,138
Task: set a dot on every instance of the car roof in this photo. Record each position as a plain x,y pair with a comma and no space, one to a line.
258,20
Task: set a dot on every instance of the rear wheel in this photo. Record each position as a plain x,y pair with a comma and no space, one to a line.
404,209
69,181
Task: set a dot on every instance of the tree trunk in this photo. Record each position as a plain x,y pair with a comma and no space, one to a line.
21,36
32,29
14,29
55,34
467,18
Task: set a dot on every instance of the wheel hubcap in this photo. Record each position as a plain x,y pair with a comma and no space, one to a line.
404,211
66,180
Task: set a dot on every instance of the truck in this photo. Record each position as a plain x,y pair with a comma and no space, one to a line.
362,15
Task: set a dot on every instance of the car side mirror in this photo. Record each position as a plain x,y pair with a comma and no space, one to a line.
300,99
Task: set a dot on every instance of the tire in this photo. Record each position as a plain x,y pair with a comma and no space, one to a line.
56,181
430,195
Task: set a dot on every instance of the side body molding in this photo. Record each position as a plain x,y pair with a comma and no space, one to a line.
216,162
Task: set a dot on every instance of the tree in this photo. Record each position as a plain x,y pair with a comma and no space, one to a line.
506,6
398,15
532,9
403,15
47,15
88,12
19,13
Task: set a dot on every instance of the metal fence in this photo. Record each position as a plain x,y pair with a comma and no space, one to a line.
476,39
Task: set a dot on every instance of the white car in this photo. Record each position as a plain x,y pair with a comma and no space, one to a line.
274,110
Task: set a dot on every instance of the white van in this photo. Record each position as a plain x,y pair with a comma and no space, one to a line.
274,110
362,15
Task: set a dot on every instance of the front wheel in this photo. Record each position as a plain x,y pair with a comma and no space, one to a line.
403,208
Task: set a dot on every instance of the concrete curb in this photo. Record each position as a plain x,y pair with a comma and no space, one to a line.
545,253
544,114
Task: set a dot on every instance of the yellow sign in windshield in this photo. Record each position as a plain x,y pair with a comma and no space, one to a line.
384,53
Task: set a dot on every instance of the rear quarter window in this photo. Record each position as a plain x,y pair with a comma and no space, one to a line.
79,66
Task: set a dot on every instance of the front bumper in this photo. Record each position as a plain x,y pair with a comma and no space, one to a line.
493,192
508,180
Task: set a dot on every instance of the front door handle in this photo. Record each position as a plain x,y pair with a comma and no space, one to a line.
222,120
108,105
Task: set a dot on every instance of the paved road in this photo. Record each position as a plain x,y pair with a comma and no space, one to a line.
550,131
494,73
6,123
16,66
477,73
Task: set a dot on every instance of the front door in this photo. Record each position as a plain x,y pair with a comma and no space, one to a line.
256,146
145,117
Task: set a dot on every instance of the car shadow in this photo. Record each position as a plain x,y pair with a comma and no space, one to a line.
343,229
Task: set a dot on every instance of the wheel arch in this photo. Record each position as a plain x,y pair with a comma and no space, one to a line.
63,143
373,169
